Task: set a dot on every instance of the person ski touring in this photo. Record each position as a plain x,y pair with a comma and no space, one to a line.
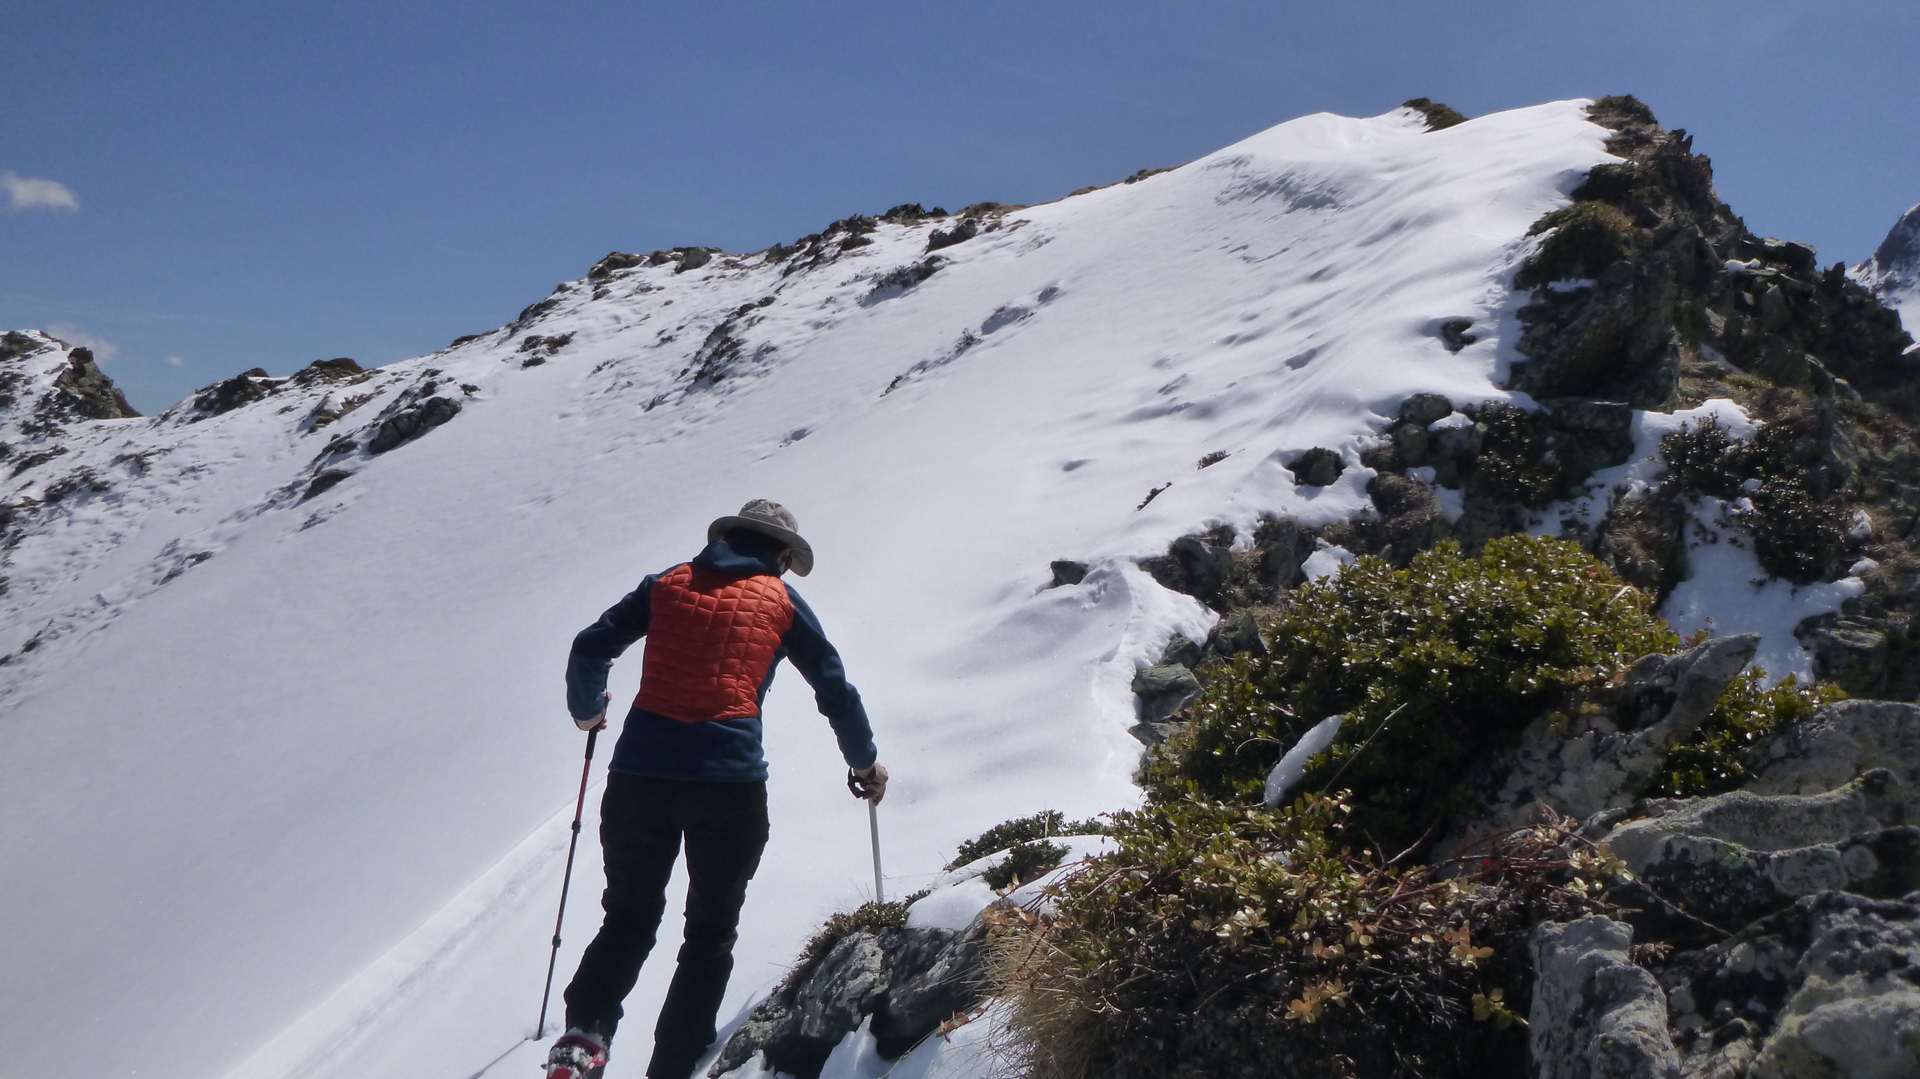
688,767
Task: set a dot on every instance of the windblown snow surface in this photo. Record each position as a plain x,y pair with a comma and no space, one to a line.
284,784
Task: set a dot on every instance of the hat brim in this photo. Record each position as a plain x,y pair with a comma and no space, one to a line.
802,551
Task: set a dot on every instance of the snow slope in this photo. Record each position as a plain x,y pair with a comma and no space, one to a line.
284,784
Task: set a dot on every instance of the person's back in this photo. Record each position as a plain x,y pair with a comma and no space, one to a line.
689,766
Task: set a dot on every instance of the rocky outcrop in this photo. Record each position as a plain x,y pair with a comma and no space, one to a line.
1581,773
908,981
1828,988
1595,1014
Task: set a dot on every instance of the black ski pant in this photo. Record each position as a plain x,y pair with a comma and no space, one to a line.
642,824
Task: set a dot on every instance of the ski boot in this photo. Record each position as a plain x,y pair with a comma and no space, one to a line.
577,1054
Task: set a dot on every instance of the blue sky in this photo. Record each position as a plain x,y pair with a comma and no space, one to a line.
265,184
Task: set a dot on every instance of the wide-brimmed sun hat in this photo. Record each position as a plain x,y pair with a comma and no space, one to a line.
771,519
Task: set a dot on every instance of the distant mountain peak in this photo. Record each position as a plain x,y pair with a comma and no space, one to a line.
1893,273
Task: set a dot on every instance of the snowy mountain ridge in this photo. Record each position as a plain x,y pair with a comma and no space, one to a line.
287,771
1893,271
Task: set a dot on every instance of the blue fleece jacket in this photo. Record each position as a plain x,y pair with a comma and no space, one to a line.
727,749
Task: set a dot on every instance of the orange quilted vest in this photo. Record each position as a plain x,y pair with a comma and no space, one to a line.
711,639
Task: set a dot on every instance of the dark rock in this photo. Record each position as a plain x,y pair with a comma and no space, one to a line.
1183,652
613,263
901,278
934,974
1163,690
1589,435
1066,571
1236,633
325,481
465,339
908,980
1203,566
1425,408
1454,335
1317,467
1411,445
692,258
1283,546
1595,1014
965,230
343,370
240,390
410,419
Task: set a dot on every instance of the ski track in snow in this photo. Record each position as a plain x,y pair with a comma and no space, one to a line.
299,809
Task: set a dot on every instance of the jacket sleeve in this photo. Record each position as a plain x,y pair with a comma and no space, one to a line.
820,665
596,647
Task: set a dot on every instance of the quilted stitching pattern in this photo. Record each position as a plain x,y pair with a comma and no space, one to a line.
711,640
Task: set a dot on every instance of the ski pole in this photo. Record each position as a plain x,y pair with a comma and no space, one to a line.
566,882
873,827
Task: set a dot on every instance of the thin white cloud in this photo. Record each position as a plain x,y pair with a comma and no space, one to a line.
103,349
175,361
23,193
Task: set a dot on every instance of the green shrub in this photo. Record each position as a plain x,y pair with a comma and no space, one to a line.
1043,825
1796,535
1217,935
1704,458
1748,711
871,915
1463,652
1023,863
1514,461
1586,238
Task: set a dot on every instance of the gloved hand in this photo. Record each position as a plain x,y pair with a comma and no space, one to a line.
869,783
596,722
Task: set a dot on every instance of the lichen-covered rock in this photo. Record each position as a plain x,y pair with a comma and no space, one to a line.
1236,633
1735,857
1596,1015
1839,743
1828,988
1665,700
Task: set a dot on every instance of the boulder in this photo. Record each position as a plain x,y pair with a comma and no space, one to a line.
1238,632
1204,566
1317,467
1163,689
1284,546
1422,409
1595,1014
